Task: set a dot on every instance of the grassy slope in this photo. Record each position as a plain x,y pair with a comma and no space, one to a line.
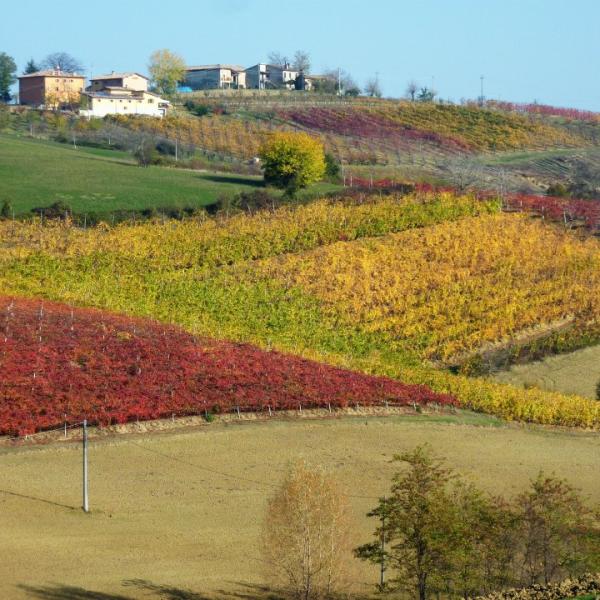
184,524
36,173
574,373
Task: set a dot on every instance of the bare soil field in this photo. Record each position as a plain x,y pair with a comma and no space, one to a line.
573,373
177,514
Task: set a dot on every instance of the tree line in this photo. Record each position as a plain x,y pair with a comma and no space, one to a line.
436,534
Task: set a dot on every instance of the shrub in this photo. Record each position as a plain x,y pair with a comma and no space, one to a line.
6,210
292,161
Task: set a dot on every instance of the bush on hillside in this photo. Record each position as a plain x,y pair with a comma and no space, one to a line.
57,210
292,161
6,210
332,167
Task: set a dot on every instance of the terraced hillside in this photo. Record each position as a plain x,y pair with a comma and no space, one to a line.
313,281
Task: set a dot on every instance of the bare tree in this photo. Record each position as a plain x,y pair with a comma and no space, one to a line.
373,88
63,62
302,61
466,174
306,542
412,87
342,82
278,59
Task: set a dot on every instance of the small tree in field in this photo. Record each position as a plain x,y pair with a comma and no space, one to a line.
306,535
292,161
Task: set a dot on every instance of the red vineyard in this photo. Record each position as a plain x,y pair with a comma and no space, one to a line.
567,210
355,123
546,110
59,363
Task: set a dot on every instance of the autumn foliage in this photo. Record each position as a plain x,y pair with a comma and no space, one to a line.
292,160
58,363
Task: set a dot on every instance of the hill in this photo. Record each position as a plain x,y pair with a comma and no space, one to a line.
308,280
431,142
35,173
68,364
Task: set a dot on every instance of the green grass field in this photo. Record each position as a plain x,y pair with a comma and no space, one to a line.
573,373
178,514
36,173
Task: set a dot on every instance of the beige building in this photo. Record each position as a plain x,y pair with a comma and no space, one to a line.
122,101
215,77
132,81
51,89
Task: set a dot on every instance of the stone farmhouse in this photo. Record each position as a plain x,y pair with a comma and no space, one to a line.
52,88
262,76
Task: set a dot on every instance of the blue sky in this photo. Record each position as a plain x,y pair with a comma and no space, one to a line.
544,50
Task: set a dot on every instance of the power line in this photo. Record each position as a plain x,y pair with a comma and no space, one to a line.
230,475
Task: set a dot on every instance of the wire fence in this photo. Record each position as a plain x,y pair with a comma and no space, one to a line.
239,413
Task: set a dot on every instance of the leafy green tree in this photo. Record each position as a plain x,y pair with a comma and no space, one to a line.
481,544
558,531
292,161
419,524
167,69
31,67
332,167
8,69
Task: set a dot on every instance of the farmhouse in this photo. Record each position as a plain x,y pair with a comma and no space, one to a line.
132,81
214,77
264,76
123,101
51,88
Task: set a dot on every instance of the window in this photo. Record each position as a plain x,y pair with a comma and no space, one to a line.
150,101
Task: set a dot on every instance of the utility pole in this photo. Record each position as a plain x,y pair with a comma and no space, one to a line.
481,97
86,503
382,572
